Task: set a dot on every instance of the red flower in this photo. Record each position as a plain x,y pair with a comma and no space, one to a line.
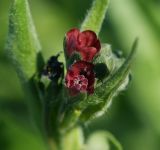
86,43
80,78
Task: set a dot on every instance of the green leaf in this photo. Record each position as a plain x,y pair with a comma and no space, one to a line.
22,45
73,140
108,58
98,103
112,84
106,62
95,16
23,48
102,140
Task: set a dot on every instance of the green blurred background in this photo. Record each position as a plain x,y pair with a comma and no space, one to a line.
134,117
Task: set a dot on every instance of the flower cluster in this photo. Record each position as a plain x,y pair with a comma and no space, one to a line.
80,76
85,43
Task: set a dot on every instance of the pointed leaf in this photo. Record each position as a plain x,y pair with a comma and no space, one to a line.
115,80
22,44
99,102
95,16
23,48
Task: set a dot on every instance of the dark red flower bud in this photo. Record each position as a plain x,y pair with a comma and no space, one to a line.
86,43
80,78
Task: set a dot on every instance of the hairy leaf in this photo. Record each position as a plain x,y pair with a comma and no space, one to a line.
95,16
22,45
23,48
117,81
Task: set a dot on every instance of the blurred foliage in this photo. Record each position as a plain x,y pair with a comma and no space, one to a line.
134,116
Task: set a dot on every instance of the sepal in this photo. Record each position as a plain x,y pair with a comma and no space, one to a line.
98,103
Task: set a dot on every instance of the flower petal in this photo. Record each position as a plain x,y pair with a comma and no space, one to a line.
87,38
71,40
80,77
86,43
88,53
